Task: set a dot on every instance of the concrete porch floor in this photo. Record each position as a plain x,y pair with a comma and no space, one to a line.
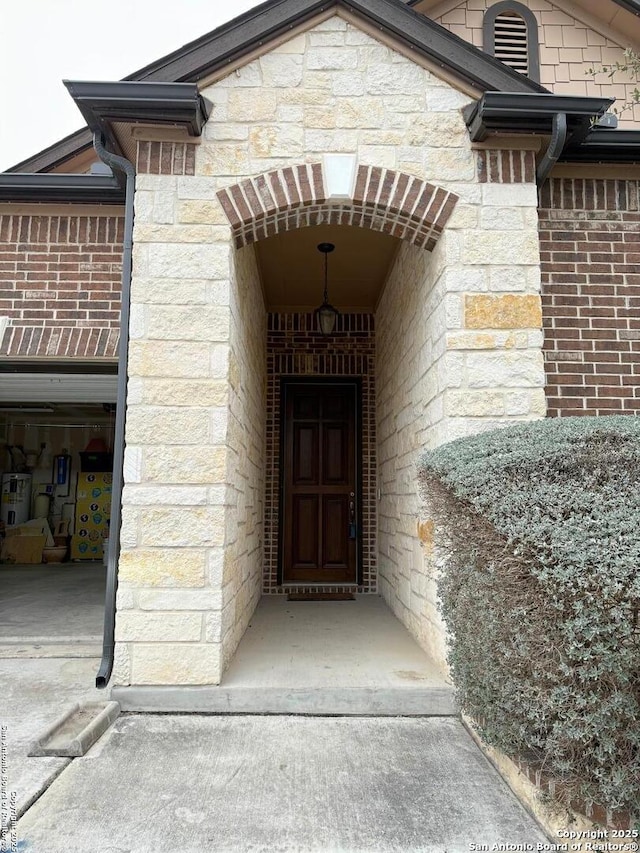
314,657
328,644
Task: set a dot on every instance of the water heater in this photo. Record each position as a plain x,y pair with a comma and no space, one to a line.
15,498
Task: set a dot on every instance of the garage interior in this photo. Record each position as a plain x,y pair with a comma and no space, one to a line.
56,451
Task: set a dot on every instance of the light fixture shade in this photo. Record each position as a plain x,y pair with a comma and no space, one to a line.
327,316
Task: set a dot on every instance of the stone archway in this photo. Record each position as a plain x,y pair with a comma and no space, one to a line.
337,191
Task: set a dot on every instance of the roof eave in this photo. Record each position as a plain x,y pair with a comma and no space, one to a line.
606,146
504,112
60,188
252,30
101,102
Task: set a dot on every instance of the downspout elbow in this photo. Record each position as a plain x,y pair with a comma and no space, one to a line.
556,147
123,165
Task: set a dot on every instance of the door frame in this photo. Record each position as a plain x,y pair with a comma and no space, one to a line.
356,383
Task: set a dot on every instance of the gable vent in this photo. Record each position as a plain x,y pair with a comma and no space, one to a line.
511,41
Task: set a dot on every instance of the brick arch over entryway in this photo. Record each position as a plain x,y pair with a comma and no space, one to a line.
295,197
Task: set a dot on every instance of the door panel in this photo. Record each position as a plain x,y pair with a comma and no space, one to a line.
335,517
305,542
335,456
305,454
318,530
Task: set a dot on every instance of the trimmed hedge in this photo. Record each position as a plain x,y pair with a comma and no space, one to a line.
540,591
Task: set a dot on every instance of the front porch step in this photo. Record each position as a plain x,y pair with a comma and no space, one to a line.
321,702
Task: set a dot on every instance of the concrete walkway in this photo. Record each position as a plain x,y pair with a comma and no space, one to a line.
33,695
195,784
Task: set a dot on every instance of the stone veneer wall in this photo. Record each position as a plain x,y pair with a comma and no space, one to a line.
590,299
169,624
458,350
296,348
60,281
246,432
411,379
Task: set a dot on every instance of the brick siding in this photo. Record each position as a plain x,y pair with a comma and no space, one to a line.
165,158
497,166
296,348
60,282
590,252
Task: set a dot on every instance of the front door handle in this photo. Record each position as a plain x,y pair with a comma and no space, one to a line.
352,518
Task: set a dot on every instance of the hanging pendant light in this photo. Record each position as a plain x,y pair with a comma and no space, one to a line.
326,313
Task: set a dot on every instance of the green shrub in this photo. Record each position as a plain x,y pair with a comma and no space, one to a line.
540,591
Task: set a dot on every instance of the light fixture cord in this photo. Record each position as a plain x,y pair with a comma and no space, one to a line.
326,277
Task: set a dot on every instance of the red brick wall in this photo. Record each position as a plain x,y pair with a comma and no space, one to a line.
590,244
60,281
296,348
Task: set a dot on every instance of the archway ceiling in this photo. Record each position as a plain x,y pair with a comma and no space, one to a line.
292,268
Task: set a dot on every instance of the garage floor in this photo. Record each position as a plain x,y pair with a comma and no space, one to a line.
44,606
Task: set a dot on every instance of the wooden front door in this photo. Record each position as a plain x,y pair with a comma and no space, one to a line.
320,514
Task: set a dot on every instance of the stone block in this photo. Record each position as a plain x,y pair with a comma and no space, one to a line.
167,359
445,99
195,187
143,495
175,663
366,112
213,627
121,665
401,79
202,600
474,404
176,323
195,212
506,369
349,84
500,247
511,311
155,233
247,75
164,567
331,58
222,159
281,70
182,526
171,260
510,195
449,164
149,425
185,392
298,44
200,465
179,291
443,131
132,463
331,141
138,627
276,141
505,218
251,105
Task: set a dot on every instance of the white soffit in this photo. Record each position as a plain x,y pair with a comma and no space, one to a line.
57,388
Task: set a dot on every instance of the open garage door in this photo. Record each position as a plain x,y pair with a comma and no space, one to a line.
56,442
58,388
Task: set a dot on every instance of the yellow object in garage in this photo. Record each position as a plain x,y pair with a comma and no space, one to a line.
93,510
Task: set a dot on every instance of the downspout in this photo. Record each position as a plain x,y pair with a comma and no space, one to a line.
108,646
556,147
